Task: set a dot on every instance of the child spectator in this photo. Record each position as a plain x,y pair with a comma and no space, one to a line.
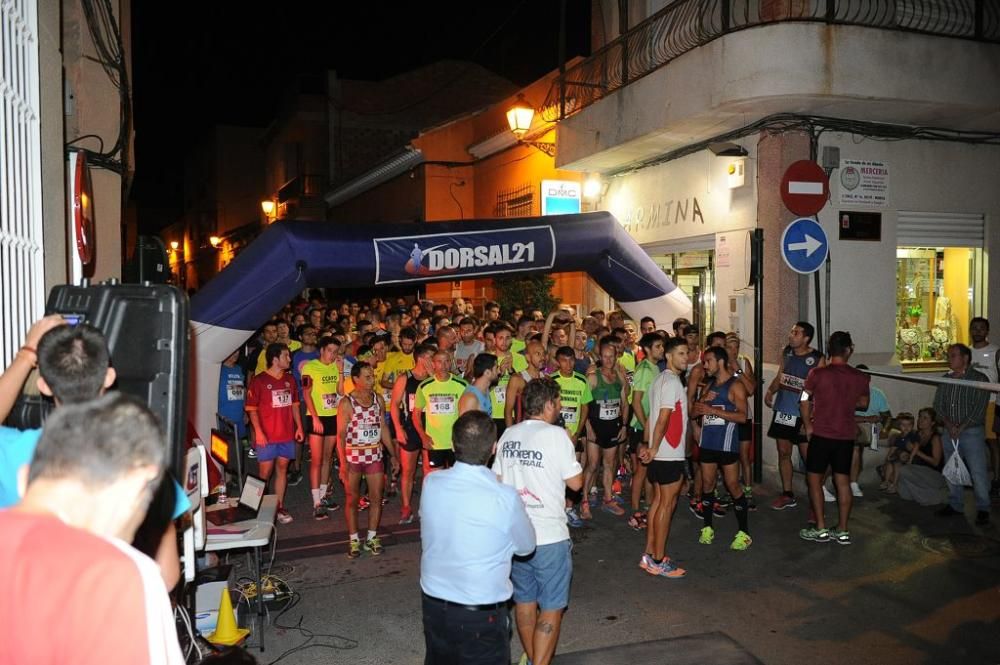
899,442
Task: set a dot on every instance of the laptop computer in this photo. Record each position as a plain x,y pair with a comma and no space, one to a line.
246,509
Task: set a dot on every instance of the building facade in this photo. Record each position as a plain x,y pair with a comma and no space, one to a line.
867,90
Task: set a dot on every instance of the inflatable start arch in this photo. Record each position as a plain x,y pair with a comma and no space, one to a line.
291,256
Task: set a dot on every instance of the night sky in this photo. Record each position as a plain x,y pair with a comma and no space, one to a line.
200,64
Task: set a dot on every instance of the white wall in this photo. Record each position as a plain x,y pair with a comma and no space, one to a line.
656,205
923,176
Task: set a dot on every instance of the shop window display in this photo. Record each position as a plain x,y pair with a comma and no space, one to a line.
938,291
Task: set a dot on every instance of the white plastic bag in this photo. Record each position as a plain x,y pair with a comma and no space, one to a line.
955,471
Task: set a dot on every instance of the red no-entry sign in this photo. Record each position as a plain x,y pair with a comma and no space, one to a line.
805,188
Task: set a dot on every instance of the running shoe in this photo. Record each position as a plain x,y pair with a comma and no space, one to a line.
828,496
374,546
363,503
650,566
613,508
393,489
585,513
718,510
856,490
671,570
252,453
840,537
355,550
741,542
694,506
385,500
573,519
748,493
636,521
328,503
724,500
524,660
815,535
784,501
294,478
406,516
707,535
284,517
319,513
616,486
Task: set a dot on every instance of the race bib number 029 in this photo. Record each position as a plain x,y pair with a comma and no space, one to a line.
711,420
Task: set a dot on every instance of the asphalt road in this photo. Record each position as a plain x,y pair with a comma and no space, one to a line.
912,588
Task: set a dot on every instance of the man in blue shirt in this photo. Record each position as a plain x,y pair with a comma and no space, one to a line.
74,367
472,526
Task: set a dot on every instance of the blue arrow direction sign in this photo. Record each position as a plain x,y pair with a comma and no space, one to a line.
804,246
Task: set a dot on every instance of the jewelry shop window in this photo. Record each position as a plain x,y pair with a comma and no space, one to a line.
938,291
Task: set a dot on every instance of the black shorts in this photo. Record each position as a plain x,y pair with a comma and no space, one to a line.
441,459
329,425
745,430
635,438
706,456
827,453
411,443
501,426
665,472
791,433
606,433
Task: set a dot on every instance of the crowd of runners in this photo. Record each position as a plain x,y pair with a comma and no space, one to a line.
370,393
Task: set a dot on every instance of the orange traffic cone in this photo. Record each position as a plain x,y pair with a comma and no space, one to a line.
227,632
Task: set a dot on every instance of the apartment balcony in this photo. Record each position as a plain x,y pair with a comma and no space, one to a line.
701,68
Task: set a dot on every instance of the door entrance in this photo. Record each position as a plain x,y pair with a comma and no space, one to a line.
694,273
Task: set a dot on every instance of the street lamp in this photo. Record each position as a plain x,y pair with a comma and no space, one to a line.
592,188
519,118
174,245
267,205
214,241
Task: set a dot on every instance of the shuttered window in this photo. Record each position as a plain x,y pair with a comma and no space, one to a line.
22,283
939,229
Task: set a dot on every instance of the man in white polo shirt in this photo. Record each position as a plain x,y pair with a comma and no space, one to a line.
536,458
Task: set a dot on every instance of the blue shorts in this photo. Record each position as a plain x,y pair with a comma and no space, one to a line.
271,451
543,577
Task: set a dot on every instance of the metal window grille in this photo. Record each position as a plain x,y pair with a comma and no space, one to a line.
22,278
515,202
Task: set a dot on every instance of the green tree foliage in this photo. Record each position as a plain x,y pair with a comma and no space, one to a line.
531,292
